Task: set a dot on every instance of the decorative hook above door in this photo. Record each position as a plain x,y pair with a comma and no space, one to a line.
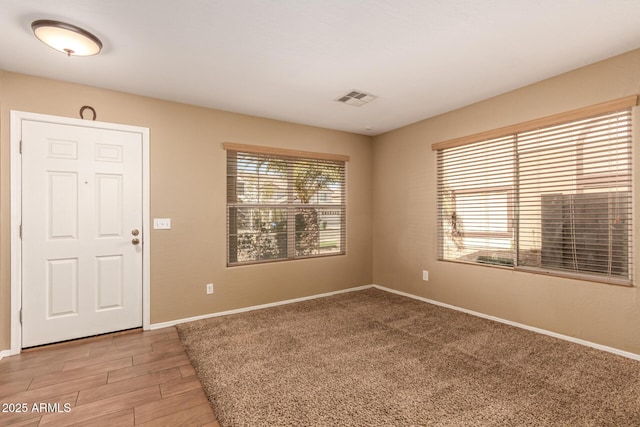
86,107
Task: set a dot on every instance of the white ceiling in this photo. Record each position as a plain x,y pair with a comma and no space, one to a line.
290,59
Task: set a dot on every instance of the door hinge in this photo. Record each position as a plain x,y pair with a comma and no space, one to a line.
21,316
21,231
20,149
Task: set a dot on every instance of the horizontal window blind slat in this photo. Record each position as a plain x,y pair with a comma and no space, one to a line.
282,207
258,149
551,199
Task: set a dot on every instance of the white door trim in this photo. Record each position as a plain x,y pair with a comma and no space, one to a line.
16,213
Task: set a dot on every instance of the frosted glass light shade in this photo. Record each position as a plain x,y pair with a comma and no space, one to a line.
66,38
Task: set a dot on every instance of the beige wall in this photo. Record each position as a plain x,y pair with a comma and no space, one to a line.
188,185
404,216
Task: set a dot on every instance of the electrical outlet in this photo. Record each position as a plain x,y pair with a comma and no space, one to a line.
425,275
209,288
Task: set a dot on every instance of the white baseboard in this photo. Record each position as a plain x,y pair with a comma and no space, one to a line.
516,324
254,307
405,294
4,353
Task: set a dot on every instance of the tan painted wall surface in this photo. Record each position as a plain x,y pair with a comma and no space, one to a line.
188,185
404,216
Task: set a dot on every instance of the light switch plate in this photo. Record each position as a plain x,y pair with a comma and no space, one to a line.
162,223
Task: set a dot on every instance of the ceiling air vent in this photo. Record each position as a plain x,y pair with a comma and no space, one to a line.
356,98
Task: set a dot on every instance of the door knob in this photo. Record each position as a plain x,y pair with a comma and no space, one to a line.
135,241
135,232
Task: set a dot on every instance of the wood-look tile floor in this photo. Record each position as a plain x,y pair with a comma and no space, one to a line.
122,379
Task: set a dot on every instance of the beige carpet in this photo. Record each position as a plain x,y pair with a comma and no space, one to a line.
371,358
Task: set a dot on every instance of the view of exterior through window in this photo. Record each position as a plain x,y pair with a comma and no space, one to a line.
283,207
556,199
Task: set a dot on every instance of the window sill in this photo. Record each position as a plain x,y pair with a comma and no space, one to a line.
543,272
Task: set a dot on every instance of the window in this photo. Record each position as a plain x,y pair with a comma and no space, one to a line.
549,196
283,204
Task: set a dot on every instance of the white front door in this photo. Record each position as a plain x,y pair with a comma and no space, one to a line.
81,231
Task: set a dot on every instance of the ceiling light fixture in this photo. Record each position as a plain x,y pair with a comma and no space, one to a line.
66,38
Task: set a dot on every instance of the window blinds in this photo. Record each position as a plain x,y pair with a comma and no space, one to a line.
283,204
555,199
